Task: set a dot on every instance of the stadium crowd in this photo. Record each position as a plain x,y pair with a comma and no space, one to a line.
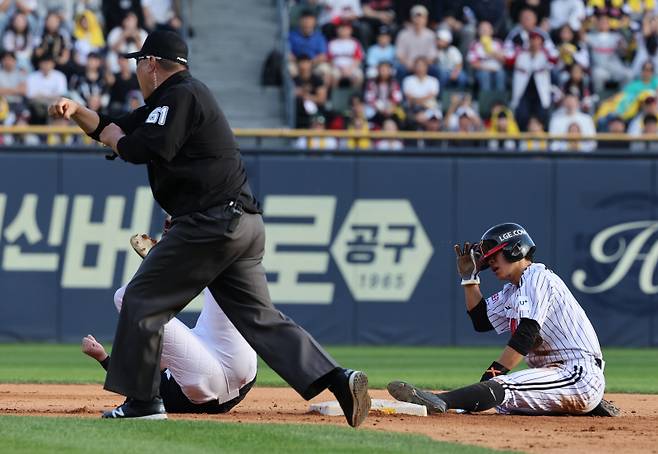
573,67
53,48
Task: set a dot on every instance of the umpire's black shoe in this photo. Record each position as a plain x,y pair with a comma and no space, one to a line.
351,390
409,393
138,409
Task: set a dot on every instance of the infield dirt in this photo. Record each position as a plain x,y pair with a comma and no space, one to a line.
634,431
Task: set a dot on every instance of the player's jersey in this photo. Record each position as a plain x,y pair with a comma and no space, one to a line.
566,332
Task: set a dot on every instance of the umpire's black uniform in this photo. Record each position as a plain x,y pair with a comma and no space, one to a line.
216,240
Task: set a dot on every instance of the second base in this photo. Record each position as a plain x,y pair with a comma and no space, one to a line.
391,407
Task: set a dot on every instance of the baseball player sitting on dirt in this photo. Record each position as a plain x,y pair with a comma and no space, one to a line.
548,328
207,369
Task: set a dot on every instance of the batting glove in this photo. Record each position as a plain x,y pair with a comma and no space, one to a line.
468,259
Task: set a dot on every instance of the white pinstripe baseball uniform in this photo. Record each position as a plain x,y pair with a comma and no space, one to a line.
210,361
566,367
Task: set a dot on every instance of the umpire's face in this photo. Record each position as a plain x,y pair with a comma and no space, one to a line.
147,74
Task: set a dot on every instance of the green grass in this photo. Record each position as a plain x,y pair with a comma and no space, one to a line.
72,435
627,370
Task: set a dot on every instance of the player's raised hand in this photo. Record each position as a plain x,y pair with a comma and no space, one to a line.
468,259
63,108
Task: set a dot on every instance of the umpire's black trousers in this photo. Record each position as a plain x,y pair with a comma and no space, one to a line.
197,252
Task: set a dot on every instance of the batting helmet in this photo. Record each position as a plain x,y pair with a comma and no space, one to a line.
510,238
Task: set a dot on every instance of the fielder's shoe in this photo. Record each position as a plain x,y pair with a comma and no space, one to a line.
409,393
351,391
138,409
605,408
142,244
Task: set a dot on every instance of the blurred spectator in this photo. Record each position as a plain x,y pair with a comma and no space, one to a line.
91,88
359,123
579,84
378,13
531,84
605,48
535,127
383,96
449,62
317,142
88,36
339,11
615,10
615,126
160,15
485,57
381,51
12,86
416,40
461,116
42,87
308,41
632,92
391,126
502,122
540,8
492,11
649,130
55,43
298,9
122,85
124,39
114,12
518,39
345,56
310,93
420,90
18,38
649,106
29,9
647,43
567,12
571,51
568,115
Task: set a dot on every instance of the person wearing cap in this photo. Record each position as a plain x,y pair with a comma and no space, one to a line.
381,51
216,239
415,40
345,56
449,61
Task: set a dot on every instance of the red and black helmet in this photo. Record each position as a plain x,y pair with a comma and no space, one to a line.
510,238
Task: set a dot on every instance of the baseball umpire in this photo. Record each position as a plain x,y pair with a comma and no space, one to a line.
216,239
548,328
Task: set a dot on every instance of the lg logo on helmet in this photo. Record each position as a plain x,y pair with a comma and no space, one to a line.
508,235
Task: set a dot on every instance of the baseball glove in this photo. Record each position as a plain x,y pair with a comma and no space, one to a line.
142,244
605,408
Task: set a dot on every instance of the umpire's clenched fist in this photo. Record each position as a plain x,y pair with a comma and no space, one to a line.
63,108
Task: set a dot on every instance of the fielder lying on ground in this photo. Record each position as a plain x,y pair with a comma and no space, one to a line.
548,329
207,369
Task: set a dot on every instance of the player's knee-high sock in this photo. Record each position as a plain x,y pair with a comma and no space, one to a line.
478,397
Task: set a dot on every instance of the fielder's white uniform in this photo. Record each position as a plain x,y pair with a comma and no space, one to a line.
210,361
566,369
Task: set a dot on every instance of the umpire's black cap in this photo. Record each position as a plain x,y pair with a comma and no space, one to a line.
163,44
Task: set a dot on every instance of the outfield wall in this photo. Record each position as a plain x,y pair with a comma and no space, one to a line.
359,244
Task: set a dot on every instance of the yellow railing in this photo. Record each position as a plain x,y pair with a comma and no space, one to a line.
375,135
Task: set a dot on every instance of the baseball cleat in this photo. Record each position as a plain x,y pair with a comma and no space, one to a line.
351,391
605,408
138,409
142,244
406,392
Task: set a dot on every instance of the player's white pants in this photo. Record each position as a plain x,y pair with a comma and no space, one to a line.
210,361
570,388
